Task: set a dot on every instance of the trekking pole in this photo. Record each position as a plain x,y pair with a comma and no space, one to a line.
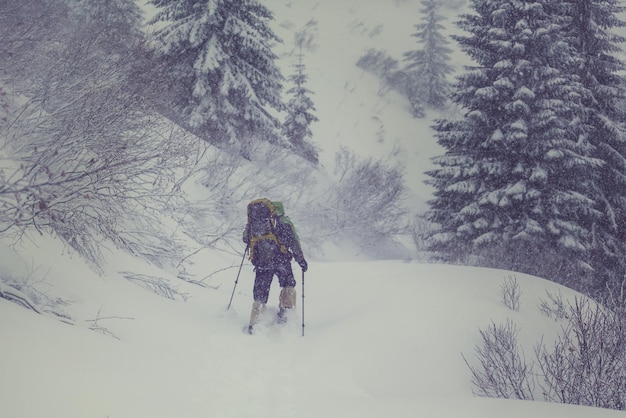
237,279
303,303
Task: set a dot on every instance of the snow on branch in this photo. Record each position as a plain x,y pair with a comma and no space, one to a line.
157,285
15,296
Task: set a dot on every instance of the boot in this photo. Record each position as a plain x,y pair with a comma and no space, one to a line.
257,309
287,300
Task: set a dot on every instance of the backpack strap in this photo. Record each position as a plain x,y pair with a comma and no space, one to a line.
271,236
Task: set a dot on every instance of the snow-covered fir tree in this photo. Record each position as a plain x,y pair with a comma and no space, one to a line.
300,108
589,29
221,53
514,188
428,67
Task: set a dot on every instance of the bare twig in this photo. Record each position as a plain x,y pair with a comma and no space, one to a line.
157,285
95,326
511,293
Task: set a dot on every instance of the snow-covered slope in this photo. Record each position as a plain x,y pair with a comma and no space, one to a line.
381,339
350,109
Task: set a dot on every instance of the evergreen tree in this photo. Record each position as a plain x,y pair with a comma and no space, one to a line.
428,67
515,185
300,108
221,55
589,30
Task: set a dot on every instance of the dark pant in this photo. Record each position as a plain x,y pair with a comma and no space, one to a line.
264,276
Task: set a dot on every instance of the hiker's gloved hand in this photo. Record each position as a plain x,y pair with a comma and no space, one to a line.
303,265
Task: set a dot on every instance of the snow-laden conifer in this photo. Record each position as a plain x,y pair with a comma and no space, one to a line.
221,52
590,26
427,68
515,184
300,108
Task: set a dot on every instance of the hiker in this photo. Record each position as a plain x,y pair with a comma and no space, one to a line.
273,241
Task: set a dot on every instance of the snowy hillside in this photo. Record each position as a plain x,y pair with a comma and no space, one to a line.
382,339
352,113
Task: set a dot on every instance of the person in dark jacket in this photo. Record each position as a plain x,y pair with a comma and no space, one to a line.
280,265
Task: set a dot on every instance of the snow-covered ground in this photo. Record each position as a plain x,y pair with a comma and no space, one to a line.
381,339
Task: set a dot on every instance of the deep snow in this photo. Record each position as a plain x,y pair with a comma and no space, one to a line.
381,339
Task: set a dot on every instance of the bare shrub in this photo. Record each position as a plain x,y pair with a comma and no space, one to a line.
615,297
114,188
420,229
367,202
587,365
511,293
554,307
503,371
85,155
